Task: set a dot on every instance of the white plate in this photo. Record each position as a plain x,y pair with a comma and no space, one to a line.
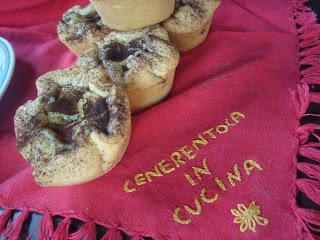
7,62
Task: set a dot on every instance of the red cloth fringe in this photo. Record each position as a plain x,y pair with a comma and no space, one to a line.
309,42
13,229
311,188
315,97
112,234
87,231
310,152
311,217
62,231
45,227
305,131
4,218
312,170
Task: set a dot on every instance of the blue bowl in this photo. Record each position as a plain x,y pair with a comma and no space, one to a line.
7,63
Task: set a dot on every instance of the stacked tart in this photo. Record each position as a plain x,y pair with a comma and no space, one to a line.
79,126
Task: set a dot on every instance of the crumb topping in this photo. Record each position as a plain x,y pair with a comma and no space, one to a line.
123,54
78,22
65,119
189,14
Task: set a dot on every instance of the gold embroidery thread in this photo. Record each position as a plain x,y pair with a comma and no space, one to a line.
185,153
248,218
196,211
178,219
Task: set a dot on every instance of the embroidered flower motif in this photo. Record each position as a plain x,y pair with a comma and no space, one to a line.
248,218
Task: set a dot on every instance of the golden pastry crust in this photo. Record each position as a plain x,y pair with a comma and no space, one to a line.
80,28
76,130
190,23
128,15
143,61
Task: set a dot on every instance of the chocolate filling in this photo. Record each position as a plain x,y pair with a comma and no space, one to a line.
95,111
64,132
97,114
117,52
135,45
94,22
66,102
93,18
182,2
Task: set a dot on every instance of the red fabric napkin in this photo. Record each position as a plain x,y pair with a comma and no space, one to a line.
216,160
